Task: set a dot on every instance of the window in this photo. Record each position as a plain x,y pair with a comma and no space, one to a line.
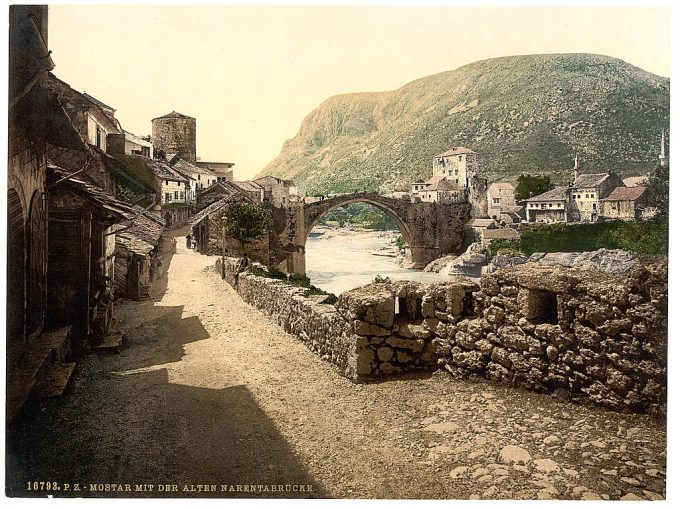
168,197
496,200
181,196
199,176
541,307
167,182
176,195
98,138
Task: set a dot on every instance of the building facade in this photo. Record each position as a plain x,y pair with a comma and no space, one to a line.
625,203
500,198
586,192
456,165
549,207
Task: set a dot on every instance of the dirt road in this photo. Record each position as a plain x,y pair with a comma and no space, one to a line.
208,391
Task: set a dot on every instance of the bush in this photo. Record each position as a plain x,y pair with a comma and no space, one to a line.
400,242
381,280
330,299
275,273
644,237
503,247
298,279
258,271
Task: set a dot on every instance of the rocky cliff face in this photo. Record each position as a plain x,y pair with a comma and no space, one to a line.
521,114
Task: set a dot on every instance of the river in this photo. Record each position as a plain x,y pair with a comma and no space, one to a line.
340,260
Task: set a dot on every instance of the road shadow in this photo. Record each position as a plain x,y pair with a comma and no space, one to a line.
164,434
124,421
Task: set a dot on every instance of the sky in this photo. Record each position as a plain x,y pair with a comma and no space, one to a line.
250,75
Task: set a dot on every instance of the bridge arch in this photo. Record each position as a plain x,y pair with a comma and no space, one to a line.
314,212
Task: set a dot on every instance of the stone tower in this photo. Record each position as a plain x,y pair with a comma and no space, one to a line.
175,133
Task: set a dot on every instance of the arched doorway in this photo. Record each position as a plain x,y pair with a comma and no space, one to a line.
16,278
35,264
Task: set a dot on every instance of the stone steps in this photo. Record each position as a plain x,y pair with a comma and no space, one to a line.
55,381
110,343
50,349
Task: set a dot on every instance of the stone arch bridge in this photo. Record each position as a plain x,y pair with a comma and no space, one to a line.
429,229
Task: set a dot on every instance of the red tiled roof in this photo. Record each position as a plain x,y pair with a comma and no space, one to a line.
636,181
442,185
626,193
456,151
590,179
557,194
501,234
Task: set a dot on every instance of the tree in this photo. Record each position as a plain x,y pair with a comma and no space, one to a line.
246,222
532,185
658,190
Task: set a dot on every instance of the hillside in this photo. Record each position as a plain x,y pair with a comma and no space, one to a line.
521,114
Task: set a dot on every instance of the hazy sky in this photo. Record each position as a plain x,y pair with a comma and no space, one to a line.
250,74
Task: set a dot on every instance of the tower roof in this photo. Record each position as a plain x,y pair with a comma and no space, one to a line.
173,114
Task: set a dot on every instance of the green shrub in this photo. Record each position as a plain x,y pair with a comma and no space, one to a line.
258,271
644,237
298,279
330,298
382,280
503,247
400,242
275,273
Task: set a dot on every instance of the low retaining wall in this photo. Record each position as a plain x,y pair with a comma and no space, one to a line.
588,336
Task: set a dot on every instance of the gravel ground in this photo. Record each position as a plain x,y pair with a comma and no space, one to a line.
208,391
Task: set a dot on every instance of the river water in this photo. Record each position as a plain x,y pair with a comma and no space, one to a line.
339,261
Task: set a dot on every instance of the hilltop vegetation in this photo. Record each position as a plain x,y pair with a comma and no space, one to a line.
524,114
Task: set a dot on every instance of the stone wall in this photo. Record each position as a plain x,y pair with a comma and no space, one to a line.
584,335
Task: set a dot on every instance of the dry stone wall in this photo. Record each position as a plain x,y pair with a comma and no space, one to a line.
583,335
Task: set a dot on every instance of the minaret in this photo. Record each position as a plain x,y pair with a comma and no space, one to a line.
576,168
663,160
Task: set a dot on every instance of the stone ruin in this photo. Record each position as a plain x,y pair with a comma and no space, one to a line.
583,335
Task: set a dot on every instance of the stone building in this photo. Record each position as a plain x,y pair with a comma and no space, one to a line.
174,187
440,189
36,121
457,165
586,192
641,180
136,251
199,178
455,179
93,120
175,134
624,203
500,198
277,191
549,207
489,235
223,171
127,143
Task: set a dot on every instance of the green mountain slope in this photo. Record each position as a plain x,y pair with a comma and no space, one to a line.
521,114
